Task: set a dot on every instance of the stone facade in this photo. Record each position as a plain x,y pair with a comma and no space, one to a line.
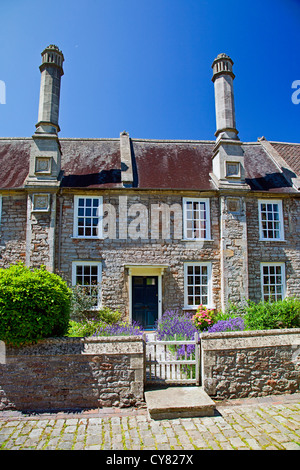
287,251
70,373
250,363
115,254
234,250
13,228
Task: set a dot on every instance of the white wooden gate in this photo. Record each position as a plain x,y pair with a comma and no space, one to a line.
163,366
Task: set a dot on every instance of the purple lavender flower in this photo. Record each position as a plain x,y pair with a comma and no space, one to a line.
120,329
232,324
174,322
189,349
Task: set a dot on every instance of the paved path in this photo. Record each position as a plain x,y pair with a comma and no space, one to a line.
260,423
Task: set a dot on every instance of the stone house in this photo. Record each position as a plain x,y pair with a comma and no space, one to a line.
150,225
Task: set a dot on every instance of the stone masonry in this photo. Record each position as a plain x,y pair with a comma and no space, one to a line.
250,363
70,373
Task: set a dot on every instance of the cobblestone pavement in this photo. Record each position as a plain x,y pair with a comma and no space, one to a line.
271,423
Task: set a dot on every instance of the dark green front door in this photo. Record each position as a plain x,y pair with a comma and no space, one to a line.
145,300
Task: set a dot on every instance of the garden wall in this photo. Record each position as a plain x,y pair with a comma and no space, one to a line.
250,363
73,373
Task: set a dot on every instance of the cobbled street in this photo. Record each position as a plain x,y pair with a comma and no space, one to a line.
269,423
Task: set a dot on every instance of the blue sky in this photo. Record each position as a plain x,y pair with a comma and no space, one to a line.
144,66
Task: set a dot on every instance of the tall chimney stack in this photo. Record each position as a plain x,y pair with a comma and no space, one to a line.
224,98
228,156
51,72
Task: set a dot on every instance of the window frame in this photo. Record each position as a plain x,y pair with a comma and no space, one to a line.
206,201
75,264
209,303
99,216
281,221
283,279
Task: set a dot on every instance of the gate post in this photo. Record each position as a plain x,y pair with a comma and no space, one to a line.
144,356
197,358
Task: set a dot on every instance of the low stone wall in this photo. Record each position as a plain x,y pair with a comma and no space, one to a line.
73,373
250,363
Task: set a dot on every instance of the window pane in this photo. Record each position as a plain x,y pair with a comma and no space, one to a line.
94,270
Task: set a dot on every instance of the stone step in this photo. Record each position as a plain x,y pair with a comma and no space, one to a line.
178,402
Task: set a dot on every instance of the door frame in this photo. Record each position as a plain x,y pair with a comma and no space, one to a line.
146,270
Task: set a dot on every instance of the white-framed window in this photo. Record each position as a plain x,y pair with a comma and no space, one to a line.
196,219
88,217
272,281
87,274
270,219
197,284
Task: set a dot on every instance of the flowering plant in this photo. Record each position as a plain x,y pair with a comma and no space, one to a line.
175,322
203,318
232,324
120,329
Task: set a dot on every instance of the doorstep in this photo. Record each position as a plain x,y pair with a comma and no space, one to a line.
179,402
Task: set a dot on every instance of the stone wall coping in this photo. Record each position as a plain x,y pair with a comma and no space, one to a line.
233,340
249,333
79,345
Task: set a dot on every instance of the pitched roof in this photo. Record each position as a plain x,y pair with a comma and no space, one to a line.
173,165
290,153
92,163
14,162
178,165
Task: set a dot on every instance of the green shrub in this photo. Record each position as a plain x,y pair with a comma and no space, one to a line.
82,303
34,304
281,314
233,311
83,308
105,317
79,329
